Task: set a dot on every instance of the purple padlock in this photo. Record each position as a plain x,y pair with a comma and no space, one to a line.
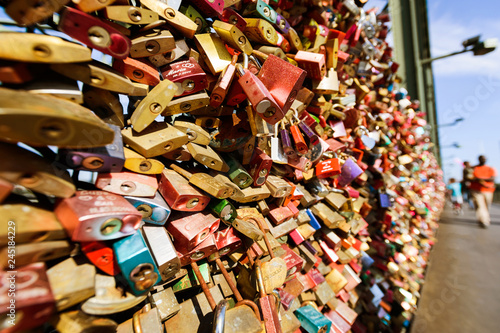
349,171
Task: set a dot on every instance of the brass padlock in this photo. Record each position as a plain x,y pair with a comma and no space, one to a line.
145,320
173,17
205,182
105,104
195,134
45,120
71,283
208,157
181,48
138,163
151,42
78,321
187,104
130,14
213,52
157,139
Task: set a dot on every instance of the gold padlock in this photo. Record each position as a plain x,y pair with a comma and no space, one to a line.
187,104
207,156
138,163
130,14
195,133
176,19
213,52
105,104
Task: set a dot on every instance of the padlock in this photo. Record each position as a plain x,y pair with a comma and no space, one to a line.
127,183
266,302
21,166
226,242
329,84
162,250
224,210
154,210
139,164
279,215
151,42
196,17
70,321
130,14
260,98
195,133
56,85
179,154
349,171
187,104
34,302
187,75
208,157
94,33
33,224
100,75
201,251
285,86
206,183
15,72
189,230
145,320
153,105
237,173
165,302
101,256
260,167
230,15
97,215
312,321
312,63
233,36
105,104
336,280
179,195
39,48
155,140
316,187
71,283
49,120
29,253
213,52
261,31
328,168
138,70
162,59
26,12
109,158
136,263
278,187
174,18
223,84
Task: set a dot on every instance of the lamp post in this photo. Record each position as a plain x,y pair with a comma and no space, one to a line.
426,83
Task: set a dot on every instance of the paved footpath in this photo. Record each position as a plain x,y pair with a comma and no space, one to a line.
462,289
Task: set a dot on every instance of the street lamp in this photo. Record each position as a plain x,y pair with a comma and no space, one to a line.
453,145
474,44
456,121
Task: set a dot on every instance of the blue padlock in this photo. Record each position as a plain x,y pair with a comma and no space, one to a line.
312,320
136,263
313,222
154,210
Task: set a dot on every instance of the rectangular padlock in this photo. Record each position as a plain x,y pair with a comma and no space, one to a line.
102,256
311,320
94,33
336,281
127,183
105,104
162,250
26,47
279,215
174,18
71,283
97,215
350,170
185,104
189,230
130,14
237,173
179,194
223,209
56,85
213,52
154,210
33,224
230,15
137,163
165,302
151,42
50,121
312,63
187,75
155,140
260,167
33,297
32,252
206,182
261,31
136,263
195,133
109,158
201,251
26,12
162,59
153,105
283,90
278,187
226,241
138,70
329,217
294,262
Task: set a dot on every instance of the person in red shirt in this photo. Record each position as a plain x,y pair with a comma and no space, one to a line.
482,187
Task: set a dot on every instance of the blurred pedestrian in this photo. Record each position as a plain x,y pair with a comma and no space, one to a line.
455,195
482,187
467,176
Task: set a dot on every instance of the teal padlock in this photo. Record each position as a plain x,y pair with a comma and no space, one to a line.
136,263
312,320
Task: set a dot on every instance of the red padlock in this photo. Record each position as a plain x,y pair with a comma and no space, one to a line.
102,256
328,168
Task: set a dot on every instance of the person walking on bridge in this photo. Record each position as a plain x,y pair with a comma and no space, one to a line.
482,187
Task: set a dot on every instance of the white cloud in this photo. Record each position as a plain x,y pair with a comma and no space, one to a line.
447,35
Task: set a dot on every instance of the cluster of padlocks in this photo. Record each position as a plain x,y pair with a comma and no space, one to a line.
209,165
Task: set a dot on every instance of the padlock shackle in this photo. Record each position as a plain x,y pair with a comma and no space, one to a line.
229,281
266,240
260,278
203,284
219,317
181,171
153,25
